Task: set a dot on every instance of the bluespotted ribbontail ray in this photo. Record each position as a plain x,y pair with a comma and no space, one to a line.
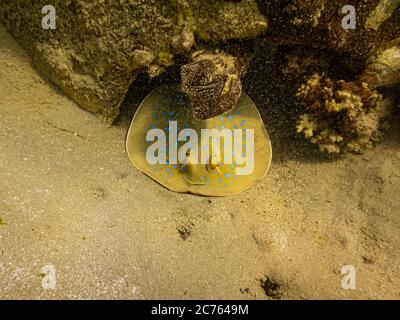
203,169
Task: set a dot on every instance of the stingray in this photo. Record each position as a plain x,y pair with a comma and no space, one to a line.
210,167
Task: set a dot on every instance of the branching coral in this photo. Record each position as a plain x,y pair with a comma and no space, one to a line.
341,116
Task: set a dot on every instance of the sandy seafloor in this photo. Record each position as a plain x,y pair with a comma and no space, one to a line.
69,197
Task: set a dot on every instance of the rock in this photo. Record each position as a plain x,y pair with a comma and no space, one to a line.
183,42
384,68
142,57
98,48
318,24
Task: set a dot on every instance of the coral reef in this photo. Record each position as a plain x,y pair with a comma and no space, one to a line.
341,116
349,116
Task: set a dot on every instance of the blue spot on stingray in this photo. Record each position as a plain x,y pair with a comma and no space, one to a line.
175,166
227,175
222,118
230,117
168,170
235,126
220,180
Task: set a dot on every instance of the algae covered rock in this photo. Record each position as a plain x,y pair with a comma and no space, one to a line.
99,47
383,69
319,24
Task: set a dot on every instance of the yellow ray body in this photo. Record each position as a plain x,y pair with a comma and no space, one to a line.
214,178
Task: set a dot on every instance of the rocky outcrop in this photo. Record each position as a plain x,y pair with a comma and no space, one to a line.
319,24
99,47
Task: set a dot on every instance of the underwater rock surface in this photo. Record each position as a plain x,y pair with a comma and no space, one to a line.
98,48
318,24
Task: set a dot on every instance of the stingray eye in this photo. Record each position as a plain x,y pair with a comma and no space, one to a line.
211,167
187,158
